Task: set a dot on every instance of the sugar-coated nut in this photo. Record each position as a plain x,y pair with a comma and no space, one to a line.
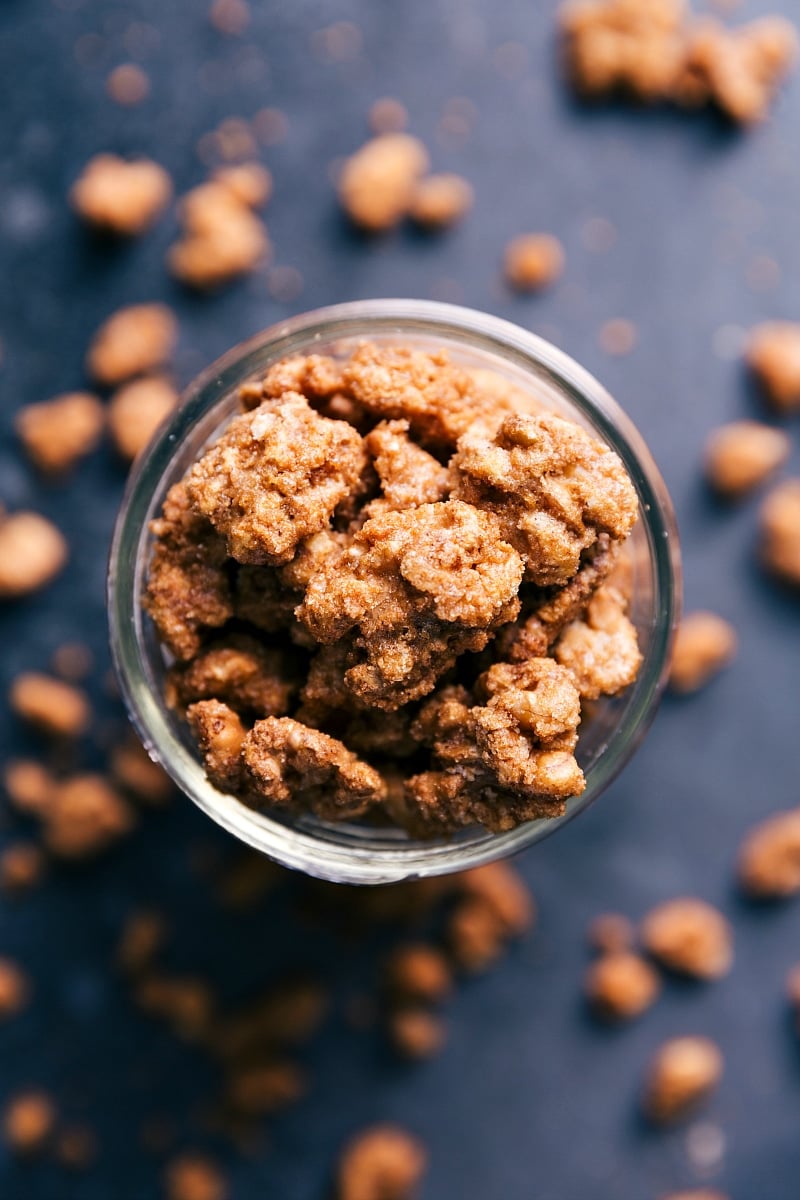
136,410
21,867
57,433
28,1121
249,182
704,644
418,972
83,817
780,532
14,988
475,935
194,1177
32,552
381,1163
506,893
222,237
690,937
121,197
440,200
29,786
610,933
617,46
57,708
133,770
377,183
132,342
601,649
773,355
416,1033
621,985
769,857
683,1072
533,261
740,456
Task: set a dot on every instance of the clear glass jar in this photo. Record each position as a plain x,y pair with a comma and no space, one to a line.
354,853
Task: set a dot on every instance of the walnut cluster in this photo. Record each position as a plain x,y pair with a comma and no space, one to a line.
384,587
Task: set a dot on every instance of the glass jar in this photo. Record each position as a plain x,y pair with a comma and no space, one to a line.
357,853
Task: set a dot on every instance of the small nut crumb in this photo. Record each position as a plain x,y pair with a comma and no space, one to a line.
416,1033
740,456
621,985
28,1120
440,200
610,933
780,532
506,894
21,867
689,936
132,342
476,939
683,1072
142,937
128,85
773,355
222,237
381,1163
134,771
533,261
769,857
230,17
76,1147
57,433
377,183
83,816
249,182
72,661
29,786
388,115
32,552
135,412
14,988
121,197
54,707
195,1177
617,337
418,972
704,644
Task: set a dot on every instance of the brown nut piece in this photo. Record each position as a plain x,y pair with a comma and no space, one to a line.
32,552
381,1163
28,1121
621,985
377,183
601,650
506,894
416,1033
57,433
622,46
690,937
56,708
133,770
222,236
704,644
132,342
21,867
780,532
240,671
249,182
440,200
773,355
195,1177
769,858
740,456
682,1074
418,972
739,70
14,988
135,412
219,734
121,197
84,817
533,261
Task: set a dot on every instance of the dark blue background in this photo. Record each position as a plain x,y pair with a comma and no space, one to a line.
529,1101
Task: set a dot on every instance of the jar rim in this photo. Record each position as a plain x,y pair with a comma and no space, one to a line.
348,854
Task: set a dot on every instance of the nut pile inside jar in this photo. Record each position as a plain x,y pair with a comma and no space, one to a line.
388,588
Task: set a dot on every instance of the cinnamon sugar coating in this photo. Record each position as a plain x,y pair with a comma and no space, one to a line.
242,672
601,649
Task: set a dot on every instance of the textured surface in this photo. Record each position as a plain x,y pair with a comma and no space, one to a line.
528,1099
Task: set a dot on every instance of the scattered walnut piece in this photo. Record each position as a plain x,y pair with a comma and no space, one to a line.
136,410
28,1121
740,456
142,937
377,183
14,988
54,707
32,552
739,70
128,85
780,532
195,1177
222,237
683,1072
533,261
388,115
769,857
381,1163
249,182
622,46
773,355
29,786
121,197
690,937
496,905
610,933
83,817
21,867
440,200
219,734
75,1147
621,985
704,644
416,1033
134,771
57,433
418,972
132,342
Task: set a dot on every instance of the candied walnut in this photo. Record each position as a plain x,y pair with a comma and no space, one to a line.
188,587
84,817
121,197
408,475
440,200
553,487
32,552
601,650
222,237
621,985
381,1163
684,1072
376,185
690,937
136,411
780,532
142,937
14,988
56,708
289,765
249,182
275,477
240,671
58,433
740,456
533,261
704,644
739,70
773,355
256,1090
475,935
416,1033
133,770
195,1177
21,867
624,46
419,973
132,342
315,376
220,734
28,1121
505,892
29,785
769,857
185,1003
610,933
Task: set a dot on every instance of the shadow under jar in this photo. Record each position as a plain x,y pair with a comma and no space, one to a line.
361,853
